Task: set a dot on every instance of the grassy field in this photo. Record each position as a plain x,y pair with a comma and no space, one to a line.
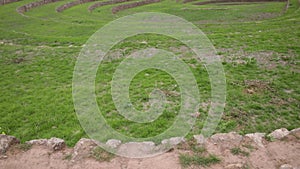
258,43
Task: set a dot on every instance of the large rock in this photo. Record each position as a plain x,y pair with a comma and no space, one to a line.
226,140
83,148
173,141
137,149
7,141
257,138
53,143
279,133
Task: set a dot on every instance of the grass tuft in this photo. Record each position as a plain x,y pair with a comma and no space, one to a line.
189,160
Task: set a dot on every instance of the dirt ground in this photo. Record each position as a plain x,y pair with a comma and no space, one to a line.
263,154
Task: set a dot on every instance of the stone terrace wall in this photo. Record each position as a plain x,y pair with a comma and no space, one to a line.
132,5
71,4
110,2
3,2
31,5
227,1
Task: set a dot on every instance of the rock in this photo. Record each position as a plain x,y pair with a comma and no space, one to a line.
83,148
53,143
3,157
279,133
173,141
257,138
235,166
199,138
56,143
226,140
6,141
113,143
286,166
37,142
137,149
296,132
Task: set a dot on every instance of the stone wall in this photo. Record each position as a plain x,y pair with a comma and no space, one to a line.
228,1
110,2
31,5
3,2
71,4
132,5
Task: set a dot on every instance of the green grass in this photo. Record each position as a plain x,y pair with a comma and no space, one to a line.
38,55
186,161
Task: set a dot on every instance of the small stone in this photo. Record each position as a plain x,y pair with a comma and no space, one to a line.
199,138
286,166
144,42
257,138
196,115
6,141
3,157
279,133
113,143
235,166
173,141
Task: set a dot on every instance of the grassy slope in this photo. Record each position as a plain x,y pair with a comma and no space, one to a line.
37,62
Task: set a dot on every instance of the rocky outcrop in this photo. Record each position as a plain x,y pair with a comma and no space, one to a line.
132,5
27,7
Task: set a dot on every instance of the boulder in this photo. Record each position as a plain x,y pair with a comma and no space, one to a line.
279,133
